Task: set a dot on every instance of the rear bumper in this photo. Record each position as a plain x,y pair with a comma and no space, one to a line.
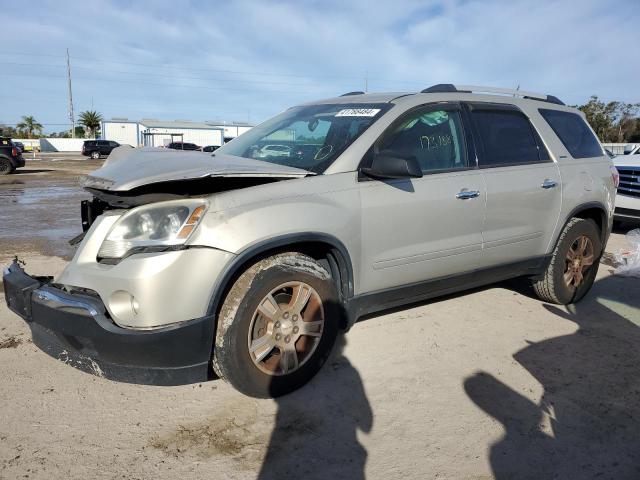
76,329
19,161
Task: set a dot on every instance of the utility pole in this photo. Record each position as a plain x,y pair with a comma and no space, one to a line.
366,81
71,117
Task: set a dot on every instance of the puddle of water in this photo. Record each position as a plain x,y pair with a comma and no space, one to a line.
40,216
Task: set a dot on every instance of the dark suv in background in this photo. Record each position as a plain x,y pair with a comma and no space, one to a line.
10,156
97,148
183,146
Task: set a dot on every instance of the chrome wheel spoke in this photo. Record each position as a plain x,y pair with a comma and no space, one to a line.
311,329
269,307
571,254
568,277
262,347
577,279
288,358
300,298
582,245
588,260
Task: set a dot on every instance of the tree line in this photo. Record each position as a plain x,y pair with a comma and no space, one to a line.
29,127
613,122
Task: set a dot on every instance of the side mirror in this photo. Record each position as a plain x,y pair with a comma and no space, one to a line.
387,165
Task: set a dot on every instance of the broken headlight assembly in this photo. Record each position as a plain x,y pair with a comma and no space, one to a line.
157,225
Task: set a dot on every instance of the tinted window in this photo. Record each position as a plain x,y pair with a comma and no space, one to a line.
433,137
574,133
506,137
114,144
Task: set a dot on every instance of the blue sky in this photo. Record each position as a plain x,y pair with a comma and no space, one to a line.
241,60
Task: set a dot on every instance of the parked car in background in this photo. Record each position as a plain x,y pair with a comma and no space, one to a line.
210,148
20,145
632,149
251,267
273,151
98,148
10,156
628,193
183,146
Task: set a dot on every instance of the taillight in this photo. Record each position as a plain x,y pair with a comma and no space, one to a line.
615,175
14,152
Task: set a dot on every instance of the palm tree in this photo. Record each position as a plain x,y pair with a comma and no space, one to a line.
91,121
29,125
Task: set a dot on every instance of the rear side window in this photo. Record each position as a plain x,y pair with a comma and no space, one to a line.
574,133
506,137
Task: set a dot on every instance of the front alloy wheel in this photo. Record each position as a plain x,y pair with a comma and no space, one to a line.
286,328
277,325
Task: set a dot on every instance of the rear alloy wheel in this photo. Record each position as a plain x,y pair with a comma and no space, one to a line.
95,155
277,325
574,264
6,167
580,258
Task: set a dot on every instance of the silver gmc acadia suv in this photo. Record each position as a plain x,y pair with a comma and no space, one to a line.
247,264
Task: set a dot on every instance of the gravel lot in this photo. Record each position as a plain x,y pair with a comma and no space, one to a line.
488,384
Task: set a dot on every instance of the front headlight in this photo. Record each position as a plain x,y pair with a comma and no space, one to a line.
164,224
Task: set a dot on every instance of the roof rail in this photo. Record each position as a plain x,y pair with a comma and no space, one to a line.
352,93
448,87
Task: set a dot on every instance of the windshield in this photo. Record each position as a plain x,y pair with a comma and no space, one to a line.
308,137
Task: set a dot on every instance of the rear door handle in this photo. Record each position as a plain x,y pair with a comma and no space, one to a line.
548,184
467,194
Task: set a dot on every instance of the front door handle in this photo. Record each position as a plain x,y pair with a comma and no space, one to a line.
548,184
467,194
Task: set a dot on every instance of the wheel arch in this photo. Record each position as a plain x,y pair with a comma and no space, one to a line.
595,211
320,246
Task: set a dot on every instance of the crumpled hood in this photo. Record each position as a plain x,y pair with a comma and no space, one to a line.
127,168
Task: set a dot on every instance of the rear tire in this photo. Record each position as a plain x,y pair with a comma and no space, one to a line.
277,326
95,155
6,167
574,264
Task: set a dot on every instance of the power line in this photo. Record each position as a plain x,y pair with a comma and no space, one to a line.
235,72
108,80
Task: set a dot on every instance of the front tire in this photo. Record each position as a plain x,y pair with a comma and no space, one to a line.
574,264
277,325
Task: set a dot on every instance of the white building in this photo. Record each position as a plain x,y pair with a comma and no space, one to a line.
151,132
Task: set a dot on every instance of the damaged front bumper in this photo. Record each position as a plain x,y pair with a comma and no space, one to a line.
76,328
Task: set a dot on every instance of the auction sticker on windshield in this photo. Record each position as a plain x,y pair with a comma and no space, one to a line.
358,112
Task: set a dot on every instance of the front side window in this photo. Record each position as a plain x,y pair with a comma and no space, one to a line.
574,133
433,137
308,137
506,137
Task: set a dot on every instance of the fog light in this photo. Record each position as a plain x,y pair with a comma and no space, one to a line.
123,306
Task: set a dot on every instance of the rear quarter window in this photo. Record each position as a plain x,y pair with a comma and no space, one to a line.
573,132
506,137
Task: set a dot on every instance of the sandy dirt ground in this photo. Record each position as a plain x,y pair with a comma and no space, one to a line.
488,384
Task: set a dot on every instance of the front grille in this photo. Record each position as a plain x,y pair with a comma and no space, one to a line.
629,181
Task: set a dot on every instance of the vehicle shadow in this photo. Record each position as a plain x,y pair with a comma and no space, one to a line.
591,394
315,431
